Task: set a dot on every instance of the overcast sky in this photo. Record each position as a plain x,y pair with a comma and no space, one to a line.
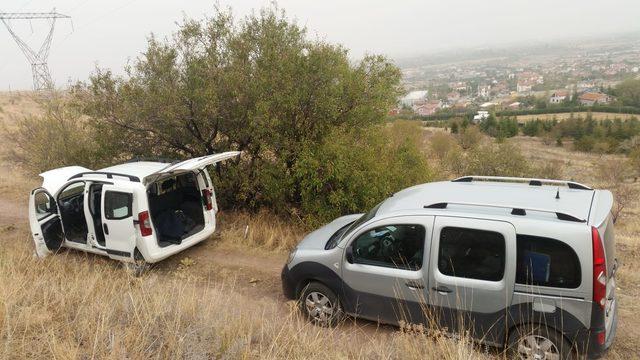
107,33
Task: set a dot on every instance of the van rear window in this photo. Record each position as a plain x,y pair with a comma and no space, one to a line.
547,262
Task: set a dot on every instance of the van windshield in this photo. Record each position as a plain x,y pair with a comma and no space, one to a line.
363,219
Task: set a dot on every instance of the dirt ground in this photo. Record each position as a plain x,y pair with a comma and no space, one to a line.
254,272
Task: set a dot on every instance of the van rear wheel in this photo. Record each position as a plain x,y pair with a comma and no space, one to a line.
139,266
537,342
320,304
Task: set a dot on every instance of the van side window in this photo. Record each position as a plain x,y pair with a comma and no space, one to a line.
546,262
471,253
117,205
44,205
397,246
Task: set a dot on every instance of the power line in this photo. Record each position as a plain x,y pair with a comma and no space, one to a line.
98,18
38,59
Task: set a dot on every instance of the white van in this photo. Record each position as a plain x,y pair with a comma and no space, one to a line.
139,211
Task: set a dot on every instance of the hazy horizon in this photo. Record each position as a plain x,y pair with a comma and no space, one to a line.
107,34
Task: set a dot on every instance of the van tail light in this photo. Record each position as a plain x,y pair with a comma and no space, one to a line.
145,223
599,269
602,337
208,203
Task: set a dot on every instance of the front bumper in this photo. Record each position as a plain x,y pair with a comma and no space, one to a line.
288,285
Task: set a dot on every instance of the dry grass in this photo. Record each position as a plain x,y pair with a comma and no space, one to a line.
261,230
203,303
78,306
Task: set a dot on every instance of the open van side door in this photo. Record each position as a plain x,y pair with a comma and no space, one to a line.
117,221
45,222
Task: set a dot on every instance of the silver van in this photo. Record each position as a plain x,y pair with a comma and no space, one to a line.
523,264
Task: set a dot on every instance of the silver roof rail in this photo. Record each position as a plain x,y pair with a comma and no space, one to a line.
515,210
109,175
529,181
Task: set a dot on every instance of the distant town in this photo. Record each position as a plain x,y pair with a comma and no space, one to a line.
579,73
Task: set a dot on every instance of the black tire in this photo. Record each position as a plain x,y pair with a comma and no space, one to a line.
321,305
528,340
139,266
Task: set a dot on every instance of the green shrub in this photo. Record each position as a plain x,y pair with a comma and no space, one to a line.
353,169
258,84
59,137
497,160
585,143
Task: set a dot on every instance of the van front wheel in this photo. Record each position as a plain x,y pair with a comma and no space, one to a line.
539,343
320,304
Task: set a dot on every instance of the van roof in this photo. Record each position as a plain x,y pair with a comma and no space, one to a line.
495,193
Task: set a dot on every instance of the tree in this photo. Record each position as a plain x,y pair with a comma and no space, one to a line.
628,92
454,127
258,85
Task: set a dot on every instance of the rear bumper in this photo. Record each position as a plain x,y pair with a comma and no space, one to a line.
595,349
153,253
288,285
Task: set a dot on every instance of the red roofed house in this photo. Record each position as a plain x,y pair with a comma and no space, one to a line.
559,96
591,98
429,108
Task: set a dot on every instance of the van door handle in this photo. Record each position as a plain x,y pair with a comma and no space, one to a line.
413,285
442,290
106,228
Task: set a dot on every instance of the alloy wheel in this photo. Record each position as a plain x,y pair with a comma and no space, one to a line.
536,347
319,307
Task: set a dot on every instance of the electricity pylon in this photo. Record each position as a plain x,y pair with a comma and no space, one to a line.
38,59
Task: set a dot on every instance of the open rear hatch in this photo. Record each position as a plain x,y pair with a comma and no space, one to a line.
193,164
177,202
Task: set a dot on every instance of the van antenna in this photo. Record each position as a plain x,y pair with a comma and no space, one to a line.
558,193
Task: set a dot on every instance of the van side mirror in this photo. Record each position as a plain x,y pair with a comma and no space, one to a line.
349,254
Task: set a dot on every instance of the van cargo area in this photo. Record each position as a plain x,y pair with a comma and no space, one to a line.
176,208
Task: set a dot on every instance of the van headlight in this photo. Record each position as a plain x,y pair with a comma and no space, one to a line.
292,255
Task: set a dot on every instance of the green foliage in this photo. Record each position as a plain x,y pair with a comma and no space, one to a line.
495,159
59,137
537,127
628,92
470,137
454,127
258,85
571,109
353,169
504,128
589,135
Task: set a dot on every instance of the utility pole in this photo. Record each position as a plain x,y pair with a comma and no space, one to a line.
38,59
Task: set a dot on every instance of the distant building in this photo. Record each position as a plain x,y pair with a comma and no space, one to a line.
459,86
453,96
530,76
480,117
488,105
414,98
428,108
524,86
592,98
484,91
514,105
559,96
